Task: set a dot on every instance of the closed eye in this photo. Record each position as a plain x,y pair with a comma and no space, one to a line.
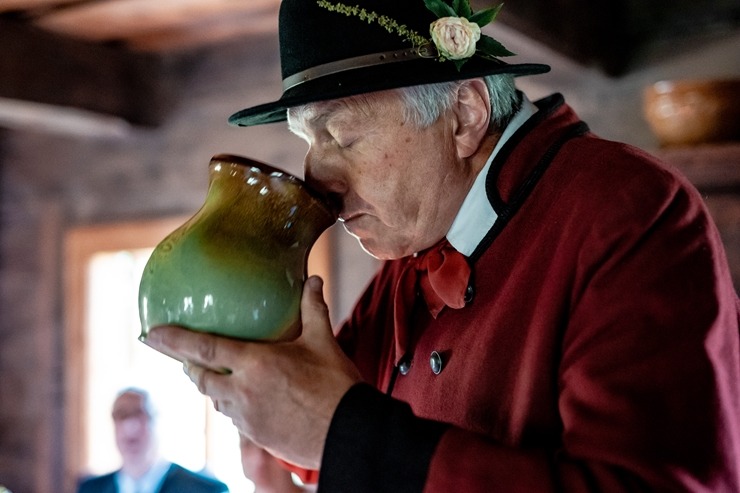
343,136
346,143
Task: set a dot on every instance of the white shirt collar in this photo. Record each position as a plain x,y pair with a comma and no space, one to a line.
476,215
148,483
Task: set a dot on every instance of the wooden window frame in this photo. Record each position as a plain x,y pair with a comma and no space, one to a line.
81,244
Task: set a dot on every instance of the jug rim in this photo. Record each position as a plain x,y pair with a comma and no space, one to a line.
276,172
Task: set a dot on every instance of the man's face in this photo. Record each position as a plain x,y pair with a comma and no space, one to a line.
132,426
399,186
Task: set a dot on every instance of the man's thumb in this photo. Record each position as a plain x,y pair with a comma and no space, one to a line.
314,310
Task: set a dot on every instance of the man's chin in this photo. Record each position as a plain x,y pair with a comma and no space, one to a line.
374,244
133,452
377,249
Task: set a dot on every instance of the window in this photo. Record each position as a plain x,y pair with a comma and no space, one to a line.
104,266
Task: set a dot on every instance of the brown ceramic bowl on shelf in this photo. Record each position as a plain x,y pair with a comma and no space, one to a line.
693,112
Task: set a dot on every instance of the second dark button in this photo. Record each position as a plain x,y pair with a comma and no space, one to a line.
404,366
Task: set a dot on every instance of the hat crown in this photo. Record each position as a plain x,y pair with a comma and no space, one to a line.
333,50
312,34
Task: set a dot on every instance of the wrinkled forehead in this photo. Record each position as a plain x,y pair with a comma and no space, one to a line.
307,114
361,105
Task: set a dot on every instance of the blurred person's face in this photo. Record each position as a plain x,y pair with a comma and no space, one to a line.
134,436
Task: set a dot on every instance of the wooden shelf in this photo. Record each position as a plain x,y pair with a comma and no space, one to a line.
708,167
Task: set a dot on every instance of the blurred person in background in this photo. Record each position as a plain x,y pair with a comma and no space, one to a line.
143,470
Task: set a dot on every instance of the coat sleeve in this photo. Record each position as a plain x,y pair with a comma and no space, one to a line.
648,381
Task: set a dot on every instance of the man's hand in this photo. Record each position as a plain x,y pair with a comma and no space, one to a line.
281,395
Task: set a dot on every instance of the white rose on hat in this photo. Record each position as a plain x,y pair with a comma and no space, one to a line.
455,37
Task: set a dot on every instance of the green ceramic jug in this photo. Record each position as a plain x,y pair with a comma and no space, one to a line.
237,267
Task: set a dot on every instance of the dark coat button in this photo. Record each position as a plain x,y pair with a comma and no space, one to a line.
435,362
469,294
404,366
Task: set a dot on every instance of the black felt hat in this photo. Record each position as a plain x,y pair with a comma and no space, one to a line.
331,50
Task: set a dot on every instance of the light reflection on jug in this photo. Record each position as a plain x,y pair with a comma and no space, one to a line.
237,267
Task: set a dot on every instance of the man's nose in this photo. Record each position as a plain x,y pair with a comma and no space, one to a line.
323,175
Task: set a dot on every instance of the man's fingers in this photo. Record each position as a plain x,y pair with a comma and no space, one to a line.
215,385
207,381
206,350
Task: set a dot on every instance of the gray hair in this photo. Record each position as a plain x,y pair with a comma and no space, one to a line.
146,398
426,103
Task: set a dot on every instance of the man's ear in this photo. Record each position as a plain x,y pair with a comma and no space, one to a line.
473,111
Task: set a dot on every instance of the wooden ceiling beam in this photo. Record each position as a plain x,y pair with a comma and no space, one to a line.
205,33
122,19
46,68
25,5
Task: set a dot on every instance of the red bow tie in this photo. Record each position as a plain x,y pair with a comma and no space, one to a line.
441,274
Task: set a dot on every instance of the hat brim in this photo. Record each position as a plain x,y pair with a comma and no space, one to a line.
376,78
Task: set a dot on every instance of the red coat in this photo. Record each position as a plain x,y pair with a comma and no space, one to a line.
600,350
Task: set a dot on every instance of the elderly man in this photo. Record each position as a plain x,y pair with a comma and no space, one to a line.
555,312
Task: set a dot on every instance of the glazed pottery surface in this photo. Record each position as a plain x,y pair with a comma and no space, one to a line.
237,267
692,112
